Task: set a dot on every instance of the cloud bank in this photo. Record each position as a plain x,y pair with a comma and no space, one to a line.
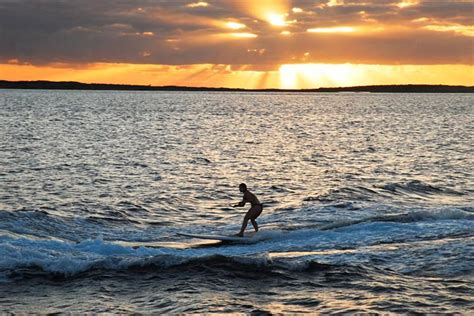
259,34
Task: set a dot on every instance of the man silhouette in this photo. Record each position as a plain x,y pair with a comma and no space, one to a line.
254,211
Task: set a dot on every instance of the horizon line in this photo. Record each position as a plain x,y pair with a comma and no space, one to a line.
75,85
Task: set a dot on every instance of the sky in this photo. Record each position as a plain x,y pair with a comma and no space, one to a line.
239,43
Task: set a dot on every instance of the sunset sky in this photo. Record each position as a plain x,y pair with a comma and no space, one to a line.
239,43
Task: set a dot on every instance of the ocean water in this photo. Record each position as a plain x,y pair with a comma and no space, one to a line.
368,202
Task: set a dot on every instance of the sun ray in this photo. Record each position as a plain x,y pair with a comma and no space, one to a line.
271,11
287,76
339,75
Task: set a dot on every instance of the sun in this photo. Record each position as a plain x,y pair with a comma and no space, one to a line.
297,76
276,19
307,76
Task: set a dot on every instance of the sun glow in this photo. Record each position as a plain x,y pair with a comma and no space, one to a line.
461,29
198,4
271,11
407,3
332,3
276,19
297,75
243,35
235,25
304,76
288,76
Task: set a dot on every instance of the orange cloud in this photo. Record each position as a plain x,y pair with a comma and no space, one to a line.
254,37
197,4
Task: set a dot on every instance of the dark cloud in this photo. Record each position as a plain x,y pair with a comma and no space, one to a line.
170,32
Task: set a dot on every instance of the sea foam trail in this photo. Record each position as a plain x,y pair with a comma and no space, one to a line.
44,225
69,258
414,216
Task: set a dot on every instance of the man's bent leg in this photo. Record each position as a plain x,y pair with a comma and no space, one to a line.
244,225
255,225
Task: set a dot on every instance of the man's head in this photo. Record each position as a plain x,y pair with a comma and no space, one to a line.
243,187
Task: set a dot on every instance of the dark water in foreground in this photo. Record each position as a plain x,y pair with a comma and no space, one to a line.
369,202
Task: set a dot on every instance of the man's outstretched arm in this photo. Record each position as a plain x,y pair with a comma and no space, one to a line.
240,204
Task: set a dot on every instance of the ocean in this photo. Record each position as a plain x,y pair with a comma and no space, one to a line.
368,202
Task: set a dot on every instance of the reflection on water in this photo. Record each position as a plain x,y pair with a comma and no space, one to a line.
368,202
183,154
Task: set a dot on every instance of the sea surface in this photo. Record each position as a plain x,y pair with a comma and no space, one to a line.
368,202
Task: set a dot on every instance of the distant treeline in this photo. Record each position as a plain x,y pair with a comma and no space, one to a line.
71,85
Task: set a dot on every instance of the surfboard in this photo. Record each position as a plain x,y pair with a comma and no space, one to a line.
217,237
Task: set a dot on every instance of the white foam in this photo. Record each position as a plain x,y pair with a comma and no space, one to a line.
70,258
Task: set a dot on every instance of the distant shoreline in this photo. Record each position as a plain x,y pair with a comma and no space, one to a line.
71,85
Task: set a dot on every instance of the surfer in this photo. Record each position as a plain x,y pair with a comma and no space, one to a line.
254,211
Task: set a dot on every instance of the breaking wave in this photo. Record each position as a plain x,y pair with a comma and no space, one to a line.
350,243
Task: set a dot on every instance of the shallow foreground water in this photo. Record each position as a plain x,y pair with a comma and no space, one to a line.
368,202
